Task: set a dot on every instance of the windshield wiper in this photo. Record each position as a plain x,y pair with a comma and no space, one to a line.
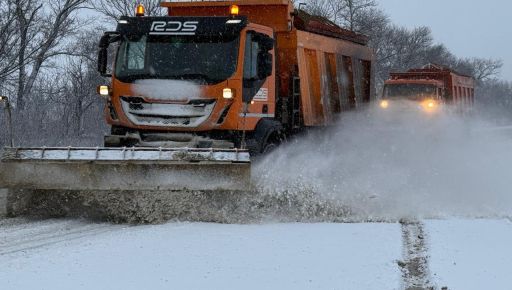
140,76
196,76
136,76
193,77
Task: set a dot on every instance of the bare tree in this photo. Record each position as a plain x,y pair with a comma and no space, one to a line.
371,22
440,54
399,49
325,8
352,11
65,109
351,14
27,19
115,8
484,69
42,35
8,40
80,91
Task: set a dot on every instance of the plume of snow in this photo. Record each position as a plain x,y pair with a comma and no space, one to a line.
400,164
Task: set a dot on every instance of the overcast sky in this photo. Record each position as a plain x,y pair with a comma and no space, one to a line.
468,28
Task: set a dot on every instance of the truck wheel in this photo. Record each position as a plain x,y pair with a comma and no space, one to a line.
267,136
115,130
269,147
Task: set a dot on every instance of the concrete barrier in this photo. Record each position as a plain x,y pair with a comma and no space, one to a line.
14,202
3,202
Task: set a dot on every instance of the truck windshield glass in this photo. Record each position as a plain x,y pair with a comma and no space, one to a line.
410,91
203,59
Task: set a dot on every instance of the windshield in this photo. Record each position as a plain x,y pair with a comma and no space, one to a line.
204,59
410,91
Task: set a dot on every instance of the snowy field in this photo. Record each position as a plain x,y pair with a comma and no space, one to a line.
69,254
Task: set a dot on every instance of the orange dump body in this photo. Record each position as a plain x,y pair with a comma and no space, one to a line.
319,70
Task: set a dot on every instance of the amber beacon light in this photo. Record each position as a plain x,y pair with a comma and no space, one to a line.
234,10
140,11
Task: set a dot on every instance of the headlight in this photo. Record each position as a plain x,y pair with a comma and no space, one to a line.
227,93
429,105
384,104
104,91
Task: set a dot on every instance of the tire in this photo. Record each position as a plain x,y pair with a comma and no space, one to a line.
115,130
267,136
268,148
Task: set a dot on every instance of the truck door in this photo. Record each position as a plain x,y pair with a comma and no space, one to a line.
258,76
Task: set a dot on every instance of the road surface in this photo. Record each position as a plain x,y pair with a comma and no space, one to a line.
79,254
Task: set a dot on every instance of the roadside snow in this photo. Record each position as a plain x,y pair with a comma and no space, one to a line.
471,254
214,256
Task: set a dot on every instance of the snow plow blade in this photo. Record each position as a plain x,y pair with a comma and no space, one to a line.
124,169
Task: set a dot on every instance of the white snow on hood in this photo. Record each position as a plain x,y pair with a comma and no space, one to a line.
167,90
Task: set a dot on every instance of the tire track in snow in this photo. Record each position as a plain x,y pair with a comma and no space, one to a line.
33,235
23,226
414,266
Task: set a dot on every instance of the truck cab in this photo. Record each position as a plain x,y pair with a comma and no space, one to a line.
433,87
427,93
174,76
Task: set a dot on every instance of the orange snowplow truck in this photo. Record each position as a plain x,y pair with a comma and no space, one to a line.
433,86
233,74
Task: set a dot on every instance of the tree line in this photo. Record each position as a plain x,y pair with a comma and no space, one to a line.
48,51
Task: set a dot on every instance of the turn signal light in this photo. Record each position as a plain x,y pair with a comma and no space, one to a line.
234,10
140,11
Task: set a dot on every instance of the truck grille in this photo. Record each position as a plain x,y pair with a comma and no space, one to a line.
189,115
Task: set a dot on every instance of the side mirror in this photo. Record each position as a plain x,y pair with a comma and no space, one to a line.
265,65
105,41
266,43
102,61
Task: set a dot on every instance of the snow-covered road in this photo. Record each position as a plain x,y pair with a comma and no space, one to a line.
79,255
73,254
471,254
